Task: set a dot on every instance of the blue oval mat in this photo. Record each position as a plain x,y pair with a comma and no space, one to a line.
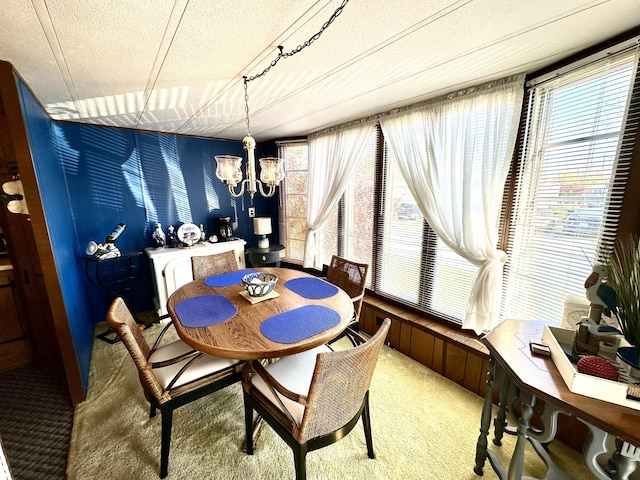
313,288
205,311
226,279
298,324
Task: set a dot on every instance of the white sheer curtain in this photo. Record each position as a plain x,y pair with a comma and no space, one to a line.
333,158
454,154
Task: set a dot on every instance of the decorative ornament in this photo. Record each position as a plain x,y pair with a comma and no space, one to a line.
158,236
598,367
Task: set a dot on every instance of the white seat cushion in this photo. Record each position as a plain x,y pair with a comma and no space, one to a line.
293,372
200,368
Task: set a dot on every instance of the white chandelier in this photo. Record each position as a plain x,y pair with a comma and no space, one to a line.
229,167
229,170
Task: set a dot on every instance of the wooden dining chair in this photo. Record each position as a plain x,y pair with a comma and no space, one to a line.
314,398
207,265
171,375
351,277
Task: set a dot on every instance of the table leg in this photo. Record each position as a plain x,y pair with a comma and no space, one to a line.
596,445
549,417
500,422
624,460
528,402
485,420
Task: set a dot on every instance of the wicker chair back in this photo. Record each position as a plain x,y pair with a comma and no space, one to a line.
208,265
339,384
351,277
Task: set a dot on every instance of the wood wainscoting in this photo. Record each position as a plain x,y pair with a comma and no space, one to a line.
454,353
450,351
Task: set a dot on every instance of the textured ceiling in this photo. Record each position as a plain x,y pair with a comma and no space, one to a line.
177,66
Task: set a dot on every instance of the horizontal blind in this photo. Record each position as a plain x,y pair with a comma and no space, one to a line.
414,267
573,168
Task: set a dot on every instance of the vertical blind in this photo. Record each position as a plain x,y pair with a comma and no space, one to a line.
573,166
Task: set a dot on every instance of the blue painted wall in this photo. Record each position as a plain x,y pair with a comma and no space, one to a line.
92,178
57,205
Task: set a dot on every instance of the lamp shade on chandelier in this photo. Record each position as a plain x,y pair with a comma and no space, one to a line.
229,170
229,167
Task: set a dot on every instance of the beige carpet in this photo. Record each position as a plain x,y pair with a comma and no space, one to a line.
424,427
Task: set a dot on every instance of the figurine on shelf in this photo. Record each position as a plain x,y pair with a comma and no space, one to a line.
102,251
601,295
158,236
172,238
602,298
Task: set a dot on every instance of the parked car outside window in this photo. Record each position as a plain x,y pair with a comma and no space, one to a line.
583,221
409,211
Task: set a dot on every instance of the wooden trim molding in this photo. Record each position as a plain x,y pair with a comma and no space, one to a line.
41,261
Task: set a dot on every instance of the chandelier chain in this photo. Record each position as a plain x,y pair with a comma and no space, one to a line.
246,106
282,54
299,48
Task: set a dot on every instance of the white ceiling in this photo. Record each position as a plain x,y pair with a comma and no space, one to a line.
177,66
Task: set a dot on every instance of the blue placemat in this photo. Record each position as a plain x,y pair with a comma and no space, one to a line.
313,288
298,324
205,311
226,279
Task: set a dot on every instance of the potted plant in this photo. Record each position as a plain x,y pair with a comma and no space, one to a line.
624,277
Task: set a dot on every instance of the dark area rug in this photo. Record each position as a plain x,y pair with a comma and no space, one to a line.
36,417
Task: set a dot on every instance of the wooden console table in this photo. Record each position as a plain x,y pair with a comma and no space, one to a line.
524,380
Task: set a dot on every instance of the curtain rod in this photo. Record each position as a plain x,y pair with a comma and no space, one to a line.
617,49
416,106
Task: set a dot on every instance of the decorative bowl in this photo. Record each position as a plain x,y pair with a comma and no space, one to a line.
259,284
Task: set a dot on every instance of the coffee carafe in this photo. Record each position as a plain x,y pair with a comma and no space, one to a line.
226,228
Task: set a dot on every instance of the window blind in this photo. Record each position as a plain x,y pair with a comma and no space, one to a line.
573,166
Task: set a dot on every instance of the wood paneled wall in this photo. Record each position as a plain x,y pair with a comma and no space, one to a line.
450,351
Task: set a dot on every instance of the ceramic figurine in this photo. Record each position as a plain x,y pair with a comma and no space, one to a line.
172,238
598,292
159,238
597,329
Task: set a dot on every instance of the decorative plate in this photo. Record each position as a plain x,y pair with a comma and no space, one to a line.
189,234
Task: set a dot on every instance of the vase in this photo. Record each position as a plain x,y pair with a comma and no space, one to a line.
630,356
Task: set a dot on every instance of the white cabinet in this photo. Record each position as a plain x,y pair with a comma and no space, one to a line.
171,267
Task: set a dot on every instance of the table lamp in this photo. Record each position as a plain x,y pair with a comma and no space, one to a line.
262,228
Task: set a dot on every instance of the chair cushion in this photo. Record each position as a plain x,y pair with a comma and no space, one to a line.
207,365
293,372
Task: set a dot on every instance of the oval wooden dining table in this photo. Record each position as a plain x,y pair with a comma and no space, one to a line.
241,335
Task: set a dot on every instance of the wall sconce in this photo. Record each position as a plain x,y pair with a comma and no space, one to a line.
13,194
262,228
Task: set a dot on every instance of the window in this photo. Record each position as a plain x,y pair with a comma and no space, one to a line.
349,229
414,267
293,199
561,209
573,169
